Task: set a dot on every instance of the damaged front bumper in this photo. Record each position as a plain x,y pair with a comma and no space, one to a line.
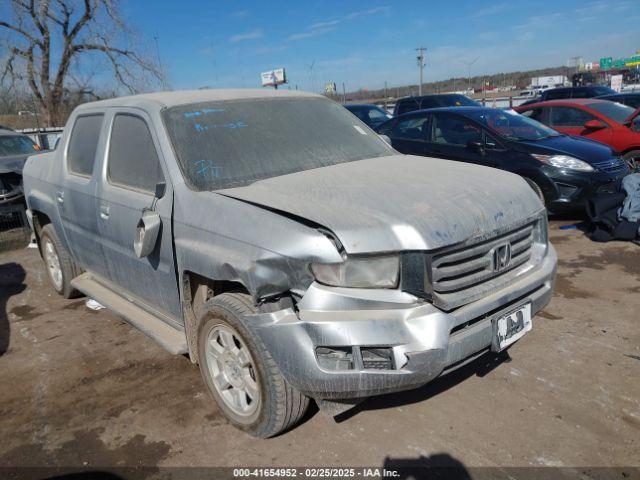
423,341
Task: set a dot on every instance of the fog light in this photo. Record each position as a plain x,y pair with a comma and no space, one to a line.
335,358
377,358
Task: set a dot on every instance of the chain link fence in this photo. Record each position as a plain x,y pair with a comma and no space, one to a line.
15,232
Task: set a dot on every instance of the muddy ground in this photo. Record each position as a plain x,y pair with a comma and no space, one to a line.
83,389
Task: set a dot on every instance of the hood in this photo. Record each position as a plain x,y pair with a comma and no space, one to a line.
13,163
582,148
400,202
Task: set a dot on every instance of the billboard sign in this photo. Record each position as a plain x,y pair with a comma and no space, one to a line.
273,78
616,83
330,87
606,63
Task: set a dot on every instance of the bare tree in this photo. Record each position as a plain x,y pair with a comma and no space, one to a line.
47,39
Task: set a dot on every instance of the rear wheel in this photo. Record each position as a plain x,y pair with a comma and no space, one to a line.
633,160
240,373
61,268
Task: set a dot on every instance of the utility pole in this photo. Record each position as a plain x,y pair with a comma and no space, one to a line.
468,64
420,59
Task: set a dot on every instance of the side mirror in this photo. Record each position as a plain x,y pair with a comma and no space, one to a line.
161,188
477,147
147,232
385,138
594,125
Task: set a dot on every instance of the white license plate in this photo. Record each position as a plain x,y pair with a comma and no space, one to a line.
509,328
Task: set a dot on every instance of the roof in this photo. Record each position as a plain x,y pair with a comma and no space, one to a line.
565,101
370,105
461,109
159,100
13,133
420,97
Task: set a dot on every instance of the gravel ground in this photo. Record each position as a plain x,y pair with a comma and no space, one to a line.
80,388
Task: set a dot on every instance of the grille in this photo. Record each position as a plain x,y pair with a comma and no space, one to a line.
613,165
468,266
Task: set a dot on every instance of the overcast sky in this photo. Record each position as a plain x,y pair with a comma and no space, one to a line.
364,44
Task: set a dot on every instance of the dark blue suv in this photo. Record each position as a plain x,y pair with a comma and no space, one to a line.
563,170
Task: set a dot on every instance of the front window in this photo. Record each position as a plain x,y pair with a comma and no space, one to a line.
225,144
511,125
16,145
615,111
569,117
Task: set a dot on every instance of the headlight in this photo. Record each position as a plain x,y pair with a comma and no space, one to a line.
363,272
564,161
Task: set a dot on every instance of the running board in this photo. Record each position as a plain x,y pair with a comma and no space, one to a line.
169,338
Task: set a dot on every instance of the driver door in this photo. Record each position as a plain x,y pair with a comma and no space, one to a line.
133,167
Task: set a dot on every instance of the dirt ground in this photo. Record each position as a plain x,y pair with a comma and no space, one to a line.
80,388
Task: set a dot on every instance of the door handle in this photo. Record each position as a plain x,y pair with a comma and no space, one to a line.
60,196
104,212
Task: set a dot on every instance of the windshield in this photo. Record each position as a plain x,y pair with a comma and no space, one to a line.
511,125
16,145
615,111
225,144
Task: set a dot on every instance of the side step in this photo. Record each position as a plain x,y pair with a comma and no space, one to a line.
172,340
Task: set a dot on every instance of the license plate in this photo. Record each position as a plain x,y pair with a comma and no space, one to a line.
510,327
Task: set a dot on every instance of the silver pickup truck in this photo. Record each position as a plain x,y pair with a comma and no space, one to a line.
285,247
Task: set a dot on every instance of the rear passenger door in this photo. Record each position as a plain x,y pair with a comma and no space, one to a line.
76,196
132,169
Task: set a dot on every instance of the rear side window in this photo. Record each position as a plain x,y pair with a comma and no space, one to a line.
407,106
535,113
410,128
83,144
557,95
133,160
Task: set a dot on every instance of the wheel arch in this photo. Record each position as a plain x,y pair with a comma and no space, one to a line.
196,290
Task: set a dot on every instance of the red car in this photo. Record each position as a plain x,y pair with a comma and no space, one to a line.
608,122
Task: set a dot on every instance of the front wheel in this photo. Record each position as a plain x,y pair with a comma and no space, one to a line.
633,160
240,373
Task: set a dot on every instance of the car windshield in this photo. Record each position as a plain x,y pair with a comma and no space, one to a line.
613,110
224,144
603,91
511,125
16,145
448,101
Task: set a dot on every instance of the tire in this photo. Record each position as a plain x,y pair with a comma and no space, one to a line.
633,160
54,255
536,188
268,405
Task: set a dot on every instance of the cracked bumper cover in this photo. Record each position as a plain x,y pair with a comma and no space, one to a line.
419,333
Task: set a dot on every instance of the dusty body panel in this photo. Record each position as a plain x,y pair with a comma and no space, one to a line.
439,202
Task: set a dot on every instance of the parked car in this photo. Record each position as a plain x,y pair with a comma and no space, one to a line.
630,99
608,122
285,247
571,92
14,150
410,104
564,171
372,115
